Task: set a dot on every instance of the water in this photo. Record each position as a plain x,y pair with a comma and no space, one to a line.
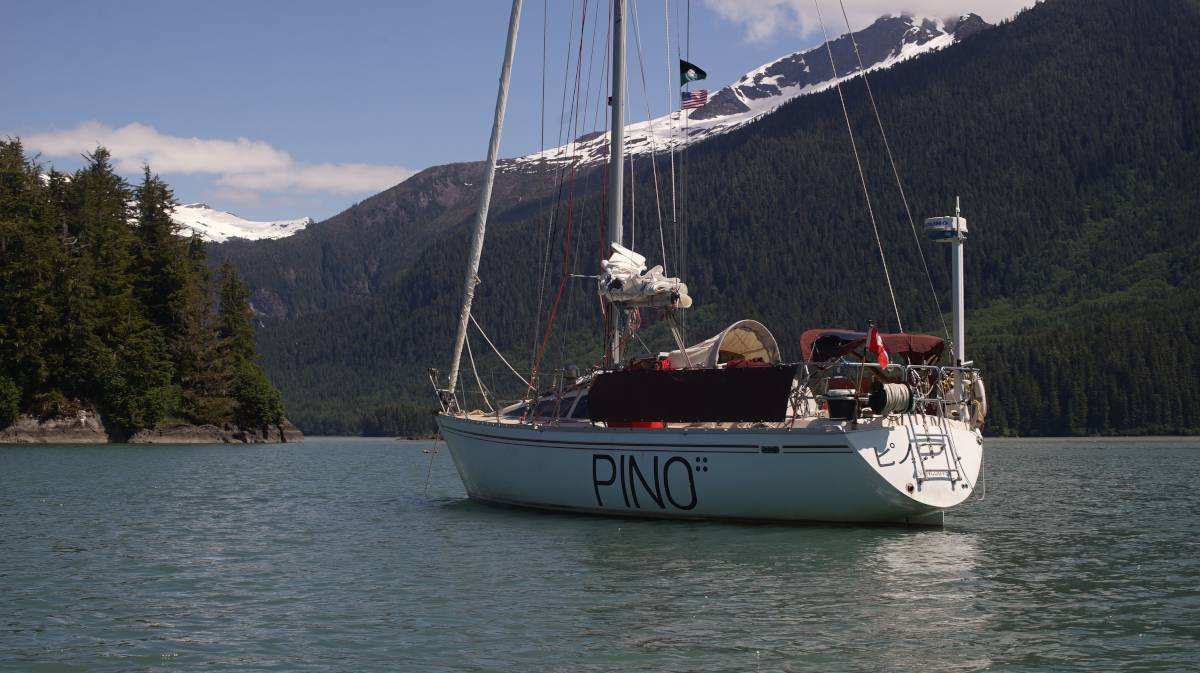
327,556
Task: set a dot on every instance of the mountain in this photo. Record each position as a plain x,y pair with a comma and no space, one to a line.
219,226
889,40
373,243
1072,134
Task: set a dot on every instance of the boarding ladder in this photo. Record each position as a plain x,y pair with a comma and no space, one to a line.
932,449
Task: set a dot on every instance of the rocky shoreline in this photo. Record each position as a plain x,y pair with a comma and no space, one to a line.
86,427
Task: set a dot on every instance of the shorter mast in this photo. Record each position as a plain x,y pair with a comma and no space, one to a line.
486,198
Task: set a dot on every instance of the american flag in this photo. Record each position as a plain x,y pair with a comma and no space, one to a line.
693,99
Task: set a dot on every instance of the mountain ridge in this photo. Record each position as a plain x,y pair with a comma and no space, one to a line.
1082,248
406,217
218,226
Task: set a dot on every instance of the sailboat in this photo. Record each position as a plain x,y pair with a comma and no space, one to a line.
868,427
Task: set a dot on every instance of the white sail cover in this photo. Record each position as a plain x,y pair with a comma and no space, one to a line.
624,279
743,340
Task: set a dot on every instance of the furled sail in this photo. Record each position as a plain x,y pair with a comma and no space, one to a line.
625,280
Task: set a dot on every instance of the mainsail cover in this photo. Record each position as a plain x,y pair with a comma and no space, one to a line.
625,280
747,340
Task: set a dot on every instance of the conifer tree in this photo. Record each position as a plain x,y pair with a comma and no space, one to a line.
205,368
234,313
256,402
164,274
115,354
28,260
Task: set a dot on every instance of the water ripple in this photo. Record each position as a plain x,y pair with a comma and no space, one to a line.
331,556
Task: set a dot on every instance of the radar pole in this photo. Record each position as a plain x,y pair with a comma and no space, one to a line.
960,310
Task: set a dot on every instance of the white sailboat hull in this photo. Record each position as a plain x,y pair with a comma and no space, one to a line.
899,469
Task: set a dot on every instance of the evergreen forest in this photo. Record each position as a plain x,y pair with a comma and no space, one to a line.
1071,133
104,306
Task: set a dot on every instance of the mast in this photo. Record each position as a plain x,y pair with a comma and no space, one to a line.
485,198
616,165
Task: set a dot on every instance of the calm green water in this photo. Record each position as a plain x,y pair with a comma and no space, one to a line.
327,556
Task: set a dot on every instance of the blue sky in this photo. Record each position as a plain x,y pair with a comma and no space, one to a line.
285,109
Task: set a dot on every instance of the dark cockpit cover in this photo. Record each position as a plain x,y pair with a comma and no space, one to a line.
823,345
733,394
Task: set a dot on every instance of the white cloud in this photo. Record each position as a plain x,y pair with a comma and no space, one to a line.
243,167
764,18
242,197
334,178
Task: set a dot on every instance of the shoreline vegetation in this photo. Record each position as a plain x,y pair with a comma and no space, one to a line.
112,326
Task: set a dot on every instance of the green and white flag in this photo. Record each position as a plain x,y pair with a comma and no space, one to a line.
690,73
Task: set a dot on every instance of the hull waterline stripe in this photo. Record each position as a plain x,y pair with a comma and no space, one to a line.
900,520
584,445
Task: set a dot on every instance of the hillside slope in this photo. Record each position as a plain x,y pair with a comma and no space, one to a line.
1072,134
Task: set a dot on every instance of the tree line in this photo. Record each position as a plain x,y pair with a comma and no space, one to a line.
1072,134
103,304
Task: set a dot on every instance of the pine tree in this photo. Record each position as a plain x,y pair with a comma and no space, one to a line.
114,353
205,367
256,402
164,273
28,263
234,314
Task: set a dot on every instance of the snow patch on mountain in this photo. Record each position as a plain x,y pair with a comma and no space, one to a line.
890,40
219,226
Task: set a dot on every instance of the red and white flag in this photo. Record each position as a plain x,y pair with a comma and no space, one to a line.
875,345
690,100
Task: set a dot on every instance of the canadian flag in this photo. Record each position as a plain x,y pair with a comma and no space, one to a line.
875,345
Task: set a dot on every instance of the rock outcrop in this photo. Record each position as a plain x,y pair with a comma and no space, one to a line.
176,433
84,426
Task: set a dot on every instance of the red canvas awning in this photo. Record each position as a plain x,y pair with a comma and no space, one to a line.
824,344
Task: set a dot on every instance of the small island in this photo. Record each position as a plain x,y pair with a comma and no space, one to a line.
113,328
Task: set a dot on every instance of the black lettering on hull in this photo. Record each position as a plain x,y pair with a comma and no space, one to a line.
633,478
687,469
596,482
655,494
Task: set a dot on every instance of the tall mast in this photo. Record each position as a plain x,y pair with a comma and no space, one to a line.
485,199
616,165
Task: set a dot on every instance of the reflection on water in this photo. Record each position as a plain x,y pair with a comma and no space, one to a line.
329,556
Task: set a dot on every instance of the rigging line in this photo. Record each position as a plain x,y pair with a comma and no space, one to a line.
497,351
562,112
896,172
590,71
429,468
570,206
662,244
541,152
559,177
595,110
861,175
632,175
602,206
542,103
643,343
670,116
482,391
685,165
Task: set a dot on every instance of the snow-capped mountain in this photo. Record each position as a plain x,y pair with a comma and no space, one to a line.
219,226
888,41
